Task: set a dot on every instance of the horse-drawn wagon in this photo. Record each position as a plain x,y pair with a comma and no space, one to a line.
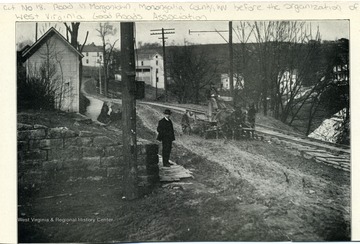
224,121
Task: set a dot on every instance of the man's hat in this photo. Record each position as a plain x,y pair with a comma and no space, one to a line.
167,111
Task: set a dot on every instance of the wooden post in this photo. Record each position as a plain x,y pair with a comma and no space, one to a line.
36,31
129,109
231,73
164,63
156,81
163,33
100,85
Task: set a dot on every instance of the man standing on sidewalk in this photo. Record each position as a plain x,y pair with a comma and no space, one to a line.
166,136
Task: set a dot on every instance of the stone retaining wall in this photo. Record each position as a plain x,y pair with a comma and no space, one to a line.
60,154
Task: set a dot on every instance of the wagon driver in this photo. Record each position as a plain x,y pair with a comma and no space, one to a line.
185,122
166,136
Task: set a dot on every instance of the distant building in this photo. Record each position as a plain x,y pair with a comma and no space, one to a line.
53,58
149,67
341,74
93,55
288,81
225,81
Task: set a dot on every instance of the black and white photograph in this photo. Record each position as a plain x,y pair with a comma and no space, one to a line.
192,130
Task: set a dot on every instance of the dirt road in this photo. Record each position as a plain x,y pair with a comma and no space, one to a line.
254,190
242,191
291,198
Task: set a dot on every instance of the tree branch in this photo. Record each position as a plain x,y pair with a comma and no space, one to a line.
86,37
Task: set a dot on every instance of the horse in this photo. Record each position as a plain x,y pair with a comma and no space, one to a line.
231,122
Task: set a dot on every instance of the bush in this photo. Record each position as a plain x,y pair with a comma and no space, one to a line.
34,93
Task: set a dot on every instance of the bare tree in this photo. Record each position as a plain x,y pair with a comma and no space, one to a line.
46,26
328,93
104,30
246,65
293,72
192,73
73,31
279,58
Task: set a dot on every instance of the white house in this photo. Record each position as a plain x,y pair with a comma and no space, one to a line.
149,67
288,81
53,58
225,81
93,55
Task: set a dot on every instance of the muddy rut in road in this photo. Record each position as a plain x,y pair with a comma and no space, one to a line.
286,196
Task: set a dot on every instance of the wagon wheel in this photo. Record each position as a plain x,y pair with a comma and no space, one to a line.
203,130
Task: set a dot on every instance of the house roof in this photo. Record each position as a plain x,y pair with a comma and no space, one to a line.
146,54
51,32
21,52
92,48
24,49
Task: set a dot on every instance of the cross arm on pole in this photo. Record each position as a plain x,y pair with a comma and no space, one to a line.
162,33
194,31
163,29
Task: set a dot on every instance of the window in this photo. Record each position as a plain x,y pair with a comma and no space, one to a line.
87,61
142,63
156,56
157,62
98,54
87,54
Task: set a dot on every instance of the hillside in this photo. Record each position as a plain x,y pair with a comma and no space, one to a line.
315,59
219,53
242,190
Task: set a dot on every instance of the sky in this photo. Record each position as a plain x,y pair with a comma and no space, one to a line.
329,29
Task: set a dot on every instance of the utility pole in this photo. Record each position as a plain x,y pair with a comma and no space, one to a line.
163,33
129,109
231,56
36,31
156,81
100,85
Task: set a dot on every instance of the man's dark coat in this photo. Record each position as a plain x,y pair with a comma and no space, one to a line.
166,130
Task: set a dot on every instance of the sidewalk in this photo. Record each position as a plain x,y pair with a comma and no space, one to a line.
173,173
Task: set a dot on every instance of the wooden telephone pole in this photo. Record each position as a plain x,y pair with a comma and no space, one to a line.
36,31
129,109
231,55
163,33
231,66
